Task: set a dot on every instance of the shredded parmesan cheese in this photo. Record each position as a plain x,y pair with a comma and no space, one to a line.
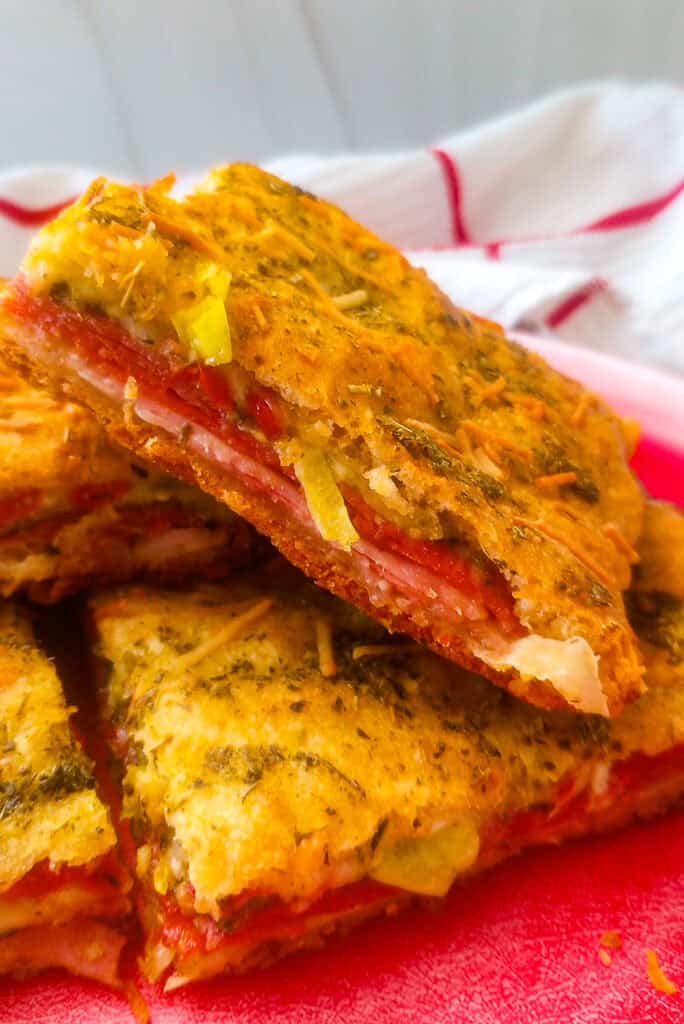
492,391
185,233
277,233
29,402
555,480
536,407
380,481
482,434
657,976
229,632
486,463
130,398
129,280
15,427
308,278
326,653
375,650
613,532
437,435
463,443
491,454
586,560
351,299
258,315
412,369
334,310
579,415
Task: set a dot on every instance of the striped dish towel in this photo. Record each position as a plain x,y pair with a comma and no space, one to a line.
566,217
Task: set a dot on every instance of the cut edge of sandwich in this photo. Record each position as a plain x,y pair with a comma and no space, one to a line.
64,892
546,671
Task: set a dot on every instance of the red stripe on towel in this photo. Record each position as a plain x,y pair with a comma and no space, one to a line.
568,306
627,217
26,217
640,213
453,186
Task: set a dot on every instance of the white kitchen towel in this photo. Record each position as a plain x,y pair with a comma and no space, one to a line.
566,217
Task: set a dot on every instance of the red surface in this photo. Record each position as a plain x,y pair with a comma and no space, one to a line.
568,306
518,945
660,469
452,182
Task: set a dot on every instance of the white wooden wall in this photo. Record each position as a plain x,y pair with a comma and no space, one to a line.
140,86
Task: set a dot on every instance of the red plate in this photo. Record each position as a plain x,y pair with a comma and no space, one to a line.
517,946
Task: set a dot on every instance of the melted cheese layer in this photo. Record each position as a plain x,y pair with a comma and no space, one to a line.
569,665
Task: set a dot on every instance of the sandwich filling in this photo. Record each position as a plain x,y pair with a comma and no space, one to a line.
91,512
231,421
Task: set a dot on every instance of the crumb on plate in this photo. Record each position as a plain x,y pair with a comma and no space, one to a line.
657,976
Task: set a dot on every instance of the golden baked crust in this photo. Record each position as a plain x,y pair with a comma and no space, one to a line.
436,421
60,873
49,808
656,599
408,737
